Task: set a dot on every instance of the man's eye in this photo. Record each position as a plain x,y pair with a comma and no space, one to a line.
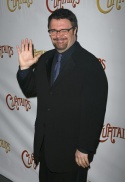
52,31
63,31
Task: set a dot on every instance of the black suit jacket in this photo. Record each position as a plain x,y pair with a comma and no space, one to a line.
70,113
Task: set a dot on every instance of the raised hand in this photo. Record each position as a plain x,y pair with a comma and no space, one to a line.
25,54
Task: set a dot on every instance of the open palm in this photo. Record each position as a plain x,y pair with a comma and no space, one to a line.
25,54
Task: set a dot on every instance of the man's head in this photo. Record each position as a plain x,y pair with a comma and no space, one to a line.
62,28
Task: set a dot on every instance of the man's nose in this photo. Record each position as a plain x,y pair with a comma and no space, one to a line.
58,34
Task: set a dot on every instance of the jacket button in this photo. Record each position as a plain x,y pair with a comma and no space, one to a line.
50,93
48,109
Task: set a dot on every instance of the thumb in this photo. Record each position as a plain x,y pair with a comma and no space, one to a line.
36,58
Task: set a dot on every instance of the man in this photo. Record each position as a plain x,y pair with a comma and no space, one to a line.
70,106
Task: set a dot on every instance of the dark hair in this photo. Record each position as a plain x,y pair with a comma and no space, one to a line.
64,14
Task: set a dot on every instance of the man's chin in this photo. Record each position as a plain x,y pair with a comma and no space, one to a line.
59,48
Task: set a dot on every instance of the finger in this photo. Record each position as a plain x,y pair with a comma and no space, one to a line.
18,49
84,164
77,161
36,58
26,45
22,45
30,45
81,163
85,161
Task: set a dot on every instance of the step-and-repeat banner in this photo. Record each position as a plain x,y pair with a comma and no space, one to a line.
102,32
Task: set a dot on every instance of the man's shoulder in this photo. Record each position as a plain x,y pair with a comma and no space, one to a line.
48,53
83,54
86,58
46,56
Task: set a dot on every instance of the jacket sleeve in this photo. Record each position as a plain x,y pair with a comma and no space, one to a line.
94,98
27,82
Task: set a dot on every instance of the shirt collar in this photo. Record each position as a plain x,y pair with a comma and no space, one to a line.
70,50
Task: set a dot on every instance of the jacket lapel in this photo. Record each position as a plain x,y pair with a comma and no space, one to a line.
70,64
67,67
48,67
64,71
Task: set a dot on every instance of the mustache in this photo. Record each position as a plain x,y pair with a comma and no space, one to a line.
58,39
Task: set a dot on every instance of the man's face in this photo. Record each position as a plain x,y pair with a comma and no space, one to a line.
65,41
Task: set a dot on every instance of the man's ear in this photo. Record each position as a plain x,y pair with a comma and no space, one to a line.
75,31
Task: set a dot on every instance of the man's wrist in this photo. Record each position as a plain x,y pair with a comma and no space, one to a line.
84,150
24,67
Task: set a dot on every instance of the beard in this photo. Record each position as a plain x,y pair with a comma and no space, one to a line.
60,43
